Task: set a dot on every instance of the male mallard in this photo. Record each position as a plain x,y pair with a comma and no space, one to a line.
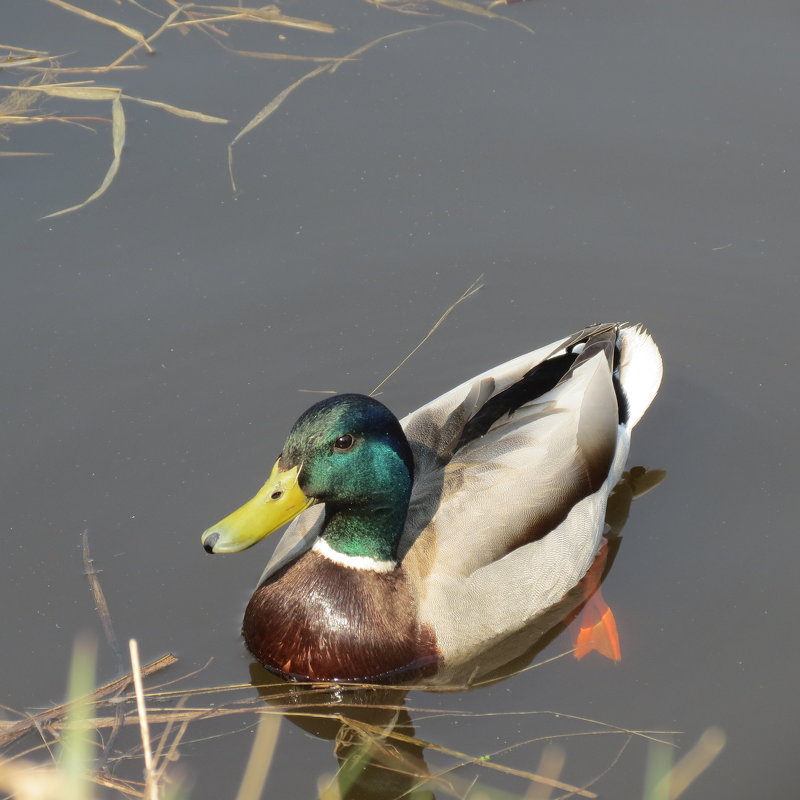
448,531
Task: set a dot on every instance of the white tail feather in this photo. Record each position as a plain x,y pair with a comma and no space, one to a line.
640,370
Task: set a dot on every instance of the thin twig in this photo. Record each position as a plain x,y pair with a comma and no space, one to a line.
49,716
475,286
100,602
151,787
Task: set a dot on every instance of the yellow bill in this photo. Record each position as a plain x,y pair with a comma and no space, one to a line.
278,501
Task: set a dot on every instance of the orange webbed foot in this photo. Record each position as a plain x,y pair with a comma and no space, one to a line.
598,630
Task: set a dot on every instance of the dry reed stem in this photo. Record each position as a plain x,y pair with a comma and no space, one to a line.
461,6
81,70
24,62
265,112
377,735
117,142
70,90
111,637
151,786
267,14
474,287
51,717
138,46
86,90
125,30
100,600
198,15
283,56
21,50
278,100
467,8
176,110
468,759
162,759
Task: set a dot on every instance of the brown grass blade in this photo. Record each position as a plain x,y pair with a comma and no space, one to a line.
162,759
22,62
151,786
141,7
278,100
22,50
467,8
172,754
269,109
11,119
285,56
81,70
178,112
75,90
402,8
118,784
475,286
531,776
354,54
128,53
472,8
125,30
118,142
108,629
269,14
14,730
179,715
100,600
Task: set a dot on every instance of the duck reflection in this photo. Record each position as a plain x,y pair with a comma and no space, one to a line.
374,739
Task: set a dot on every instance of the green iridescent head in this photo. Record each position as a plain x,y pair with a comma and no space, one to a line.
350,450
347,451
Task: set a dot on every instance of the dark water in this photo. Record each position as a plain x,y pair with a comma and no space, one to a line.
631,160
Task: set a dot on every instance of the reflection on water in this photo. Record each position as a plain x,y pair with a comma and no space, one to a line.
373,734
371,730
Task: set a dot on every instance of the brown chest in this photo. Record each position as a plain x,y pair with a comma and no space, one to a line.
315,619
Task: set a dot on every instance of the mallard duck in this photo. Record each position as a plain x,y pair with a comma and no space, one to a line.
447,531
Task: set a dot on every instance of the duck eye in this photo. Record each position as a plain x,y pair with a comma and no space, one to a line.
344,443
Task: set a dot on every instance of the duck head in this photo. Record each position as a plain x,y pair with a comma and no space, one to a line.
348,452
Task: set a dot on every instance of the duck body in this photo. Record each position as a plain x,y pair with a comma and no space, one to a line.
438,537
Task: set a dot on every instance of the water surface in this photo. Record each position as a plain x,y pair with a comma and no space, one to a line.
631,161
